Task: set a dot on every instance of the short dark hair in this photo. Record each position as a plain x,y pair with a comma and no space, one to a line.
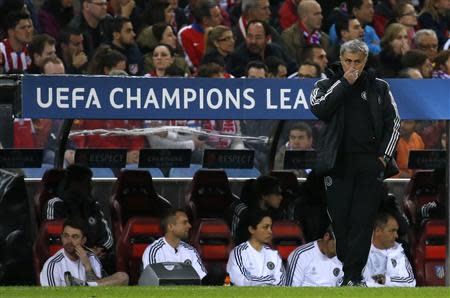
252,219
158,30
117,23
14,17
267,185
313,64
273,63
75,172
76,223
208,70
38,43
168,217
382,219
203,10
266,26
302,126
414,58
342,23
256,64
351,4
64,36
308,51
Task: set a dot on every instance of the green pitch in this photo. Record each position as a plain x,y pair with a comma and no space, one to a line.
209,292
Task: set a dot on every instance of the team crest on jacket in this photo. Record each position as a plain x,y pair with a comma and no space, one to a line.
394,263
336,271
270,265
92,221
328,181
364,95
187,261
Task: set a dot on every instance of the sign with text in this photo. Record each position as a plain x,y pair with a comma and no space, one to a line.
299,159
21,158
217,158
165,158
102,158
427,159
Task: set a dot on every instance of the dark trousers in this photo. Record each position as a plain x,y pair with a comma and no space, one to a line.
353,191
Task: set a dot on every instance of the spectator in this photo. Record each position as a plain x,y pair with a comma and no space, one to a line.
405,14
347,28
300,138
75,200
256,70
219,45
75,264
277,68
431,134
266,196
256,48
72,51
253,262
394,45
192,37
364,12
315,264
55,15
41,47
160,33
287,15
306,32
387,265
307,70
255,10
418,59
123,40
427,41
160,11
442,65
409,140
316,54
53,66
434,16
106,59
93,22
211,70
384,11
127,9
410,73
163,57
13,50
171,247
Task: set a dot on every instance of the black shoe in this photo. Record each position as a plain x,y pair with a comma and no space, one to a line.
358,283
72,281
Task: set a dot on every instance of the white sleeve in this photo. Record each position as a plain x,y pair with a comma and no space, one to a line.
145,257
198,264
280,272
51,275
296,274
96,266
399,272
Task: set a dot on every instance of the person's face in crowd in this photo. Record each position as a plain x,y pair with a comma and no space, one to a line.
263,231
75,45
162,58
387,235
355,61
180,228
442,6
400,44
261,11
97,8
51,68
414,73
426,69
48,51
428,44
273,200
299,140
319,56
71,238
127,34
66,3
173,3
407,127
256,73
365,13
256,38
23,32
314,17
307,71
354,31
330,246
225,44
282,71
215,19
169,38
408,16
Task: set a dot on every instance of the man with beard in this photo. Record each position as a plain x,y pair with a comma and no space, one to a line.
171,247
75,264
257,48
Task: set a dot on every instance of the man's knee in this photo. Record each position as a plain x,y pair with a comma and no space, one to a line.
122,278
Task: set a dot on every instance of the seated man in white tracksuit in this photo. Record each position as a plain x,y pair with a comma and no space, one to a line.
387,264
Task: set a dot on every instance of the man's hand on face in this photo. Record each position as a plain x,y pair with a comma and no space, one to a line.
84,259
351,75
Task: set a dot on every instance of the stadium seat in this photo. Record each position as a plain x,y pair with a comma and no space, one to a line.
209,196
36,172
184,172
155,172
138,233
287,235
429,254
47,243
289,187
212,239
48,190
135,195
242,173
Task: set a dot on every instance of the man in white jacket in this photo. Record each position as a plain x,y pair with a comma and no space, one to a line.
387,265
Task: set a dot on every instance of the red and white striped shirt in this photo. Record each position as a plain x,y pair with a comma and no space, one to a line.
14,61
